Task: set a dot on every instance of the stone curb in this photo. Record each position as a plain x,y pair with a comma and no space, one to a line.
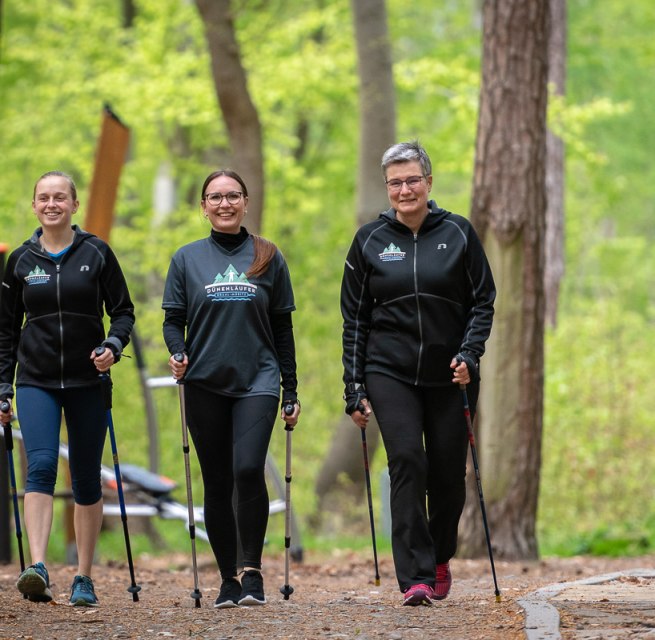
542,618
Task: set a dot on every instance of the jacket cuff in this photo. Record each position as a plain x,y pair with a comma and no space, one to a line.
115,345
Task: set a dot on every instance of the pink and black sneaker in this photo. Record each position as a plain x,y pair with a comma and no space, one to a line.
443,582
418,594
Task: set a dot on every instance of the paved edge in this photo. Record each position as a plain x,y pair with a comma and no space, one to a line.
542,618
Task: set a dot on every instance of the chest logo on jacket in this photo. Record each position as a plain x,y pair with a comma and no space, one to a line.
37,276
230,287
392,253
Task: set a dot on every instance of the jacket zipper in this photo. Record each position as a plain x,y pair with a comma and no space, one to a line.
61,331
418,311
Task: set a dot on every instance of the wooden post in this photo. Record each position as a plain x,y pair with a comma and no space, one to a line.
110,157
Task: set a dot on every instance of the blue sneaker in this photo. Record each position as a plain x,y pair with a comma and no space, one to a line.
82,593
34,583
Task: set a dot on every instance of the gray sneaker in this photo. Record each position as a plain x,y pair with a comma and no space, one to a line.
82,593
34,583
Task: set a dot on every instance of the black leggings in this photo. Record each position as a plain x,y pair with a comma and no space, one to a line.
425,437
231,437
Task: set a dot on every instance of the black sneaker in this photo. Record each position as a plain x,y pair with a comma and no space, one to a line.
34,582
229,594
252,588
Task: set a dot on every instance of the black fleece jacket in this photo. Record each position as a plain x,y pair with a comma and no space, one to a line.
51,313
411,302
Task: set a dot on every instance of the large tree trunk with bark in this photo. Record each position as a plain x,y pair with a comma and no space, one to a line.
508,210
239,112
555,166
377,116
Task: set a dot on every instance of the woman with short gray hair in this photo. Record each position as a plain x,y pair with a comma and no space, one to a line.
417,303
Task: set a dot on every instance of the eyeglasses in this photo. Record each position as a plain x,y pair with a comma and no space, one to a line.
396,185
232,197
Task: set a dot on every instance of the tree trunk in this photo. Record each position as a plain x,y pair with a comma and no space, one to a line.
377,105
129,13
377,117
239,112
555,166
508,210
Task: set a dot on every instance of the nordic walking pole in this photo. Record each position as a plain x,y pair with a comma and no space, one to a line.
9,445
474,455
196,595
370,500
287,589
105,382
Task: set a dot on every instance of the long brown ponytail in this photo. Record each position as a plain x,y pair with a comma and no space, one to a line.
264,252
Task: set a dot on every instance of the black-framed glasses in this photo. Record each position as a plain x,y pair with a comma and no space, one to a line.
232,197
396,185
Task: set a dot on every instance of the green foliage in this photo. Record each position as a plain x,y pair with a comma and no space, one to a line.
60,62
597,483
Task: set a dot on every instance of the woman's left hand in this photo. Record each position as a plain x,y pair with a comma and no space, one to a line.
104,361
460,372
292,419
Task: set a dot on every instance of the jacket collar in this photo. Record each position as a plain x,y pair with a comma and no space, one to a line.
435,215
35,245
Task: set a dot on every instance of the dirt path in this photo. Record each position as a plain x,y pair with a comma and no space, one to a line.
333,598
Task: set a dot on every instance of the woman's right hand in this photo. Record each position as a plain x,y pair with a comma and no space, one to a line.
6,412
178,368
359,417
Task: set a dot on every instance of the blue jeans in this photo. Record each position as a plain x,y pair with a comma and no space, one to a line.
39,412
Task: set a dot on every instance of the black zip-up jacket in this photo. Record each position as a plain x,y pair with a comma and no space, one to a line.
411,302
62,306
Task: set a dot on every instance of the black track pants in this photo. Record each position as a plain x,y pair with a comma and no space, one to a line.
425,437
231,438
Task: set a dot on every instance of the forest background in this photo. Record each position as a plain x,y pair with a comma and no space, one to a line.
60,61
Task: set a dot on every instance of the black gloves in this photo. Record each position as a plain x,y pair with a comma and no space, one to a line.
353,395
472,364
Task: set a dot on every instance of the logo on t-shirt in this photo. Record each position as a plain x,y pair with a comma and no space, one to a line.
230,287
391,253
37,276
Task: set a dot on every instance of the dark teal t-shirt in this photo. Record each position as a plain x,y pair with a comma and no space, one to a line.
229,339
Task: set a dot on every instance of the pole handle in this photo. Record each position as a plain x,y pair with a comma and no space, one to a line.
4,406
179,357
105,381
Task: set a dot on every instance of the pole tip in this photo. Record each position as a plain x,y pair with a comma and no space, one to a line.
377,582
286,591
134,590
498,597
